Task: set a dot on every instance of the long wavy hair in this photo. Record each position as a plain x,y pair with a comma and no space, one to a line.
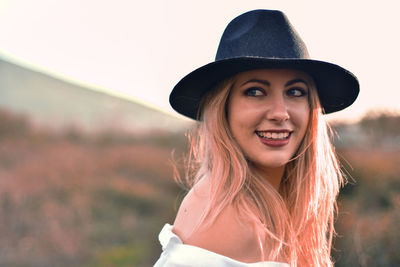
296,223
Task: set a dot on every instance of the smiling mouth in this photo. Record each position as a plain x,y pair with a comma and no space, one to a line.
274,135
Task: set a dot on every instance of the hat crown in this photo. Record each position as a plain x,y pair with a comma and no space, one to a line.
261,33
263,39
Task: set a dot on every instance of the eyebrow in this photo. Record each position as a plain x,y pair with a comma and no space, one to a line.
296,81
267,83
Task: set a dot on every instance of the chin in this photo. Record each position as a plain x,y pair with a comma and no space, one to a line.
272,164
275,160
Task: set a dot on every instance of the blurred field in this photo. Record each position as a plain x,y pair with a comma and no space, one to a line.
73,200
70,199
368,225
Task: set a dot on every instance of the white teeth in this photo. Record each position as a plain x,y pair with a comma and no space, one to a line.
273,135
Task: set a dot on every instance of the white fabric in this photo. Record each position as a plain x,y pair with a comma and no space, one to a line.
177,254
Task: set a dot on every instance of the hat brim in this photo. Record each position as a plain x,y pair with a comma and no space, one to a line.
337,87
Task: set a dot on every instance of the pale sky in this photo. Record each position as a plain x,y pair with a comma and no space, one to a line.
140,50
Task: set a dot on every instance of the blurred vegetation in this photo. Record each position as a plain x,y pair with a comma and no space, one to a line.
381,125
369,209
369,205
72,199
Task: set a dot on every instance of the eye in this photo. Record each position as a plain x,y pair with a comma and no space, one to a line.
254,91
296,92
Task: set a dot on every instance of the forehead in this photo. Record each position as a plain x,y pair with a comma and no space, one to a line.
272,74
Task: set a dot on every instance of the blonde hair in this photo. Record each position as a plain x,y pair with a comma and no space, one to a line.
294,225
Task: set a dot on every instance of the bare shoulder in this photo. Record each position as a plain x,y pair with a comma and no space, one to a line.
191,210
228,235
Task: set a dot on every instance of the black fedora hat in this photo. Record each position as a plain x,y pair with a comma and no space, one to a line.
264,39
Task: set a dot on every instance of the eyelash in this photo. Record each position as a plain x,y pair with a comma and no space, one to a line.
301,90
249,91
254,89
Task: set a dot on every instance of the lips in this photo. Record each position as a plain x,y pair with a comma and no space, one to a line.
274,138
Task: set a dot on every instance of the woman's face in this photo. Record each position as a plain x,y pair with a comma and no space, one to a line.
268,113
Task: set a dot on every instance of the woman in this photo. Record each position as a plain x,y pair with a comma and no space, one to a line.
263,174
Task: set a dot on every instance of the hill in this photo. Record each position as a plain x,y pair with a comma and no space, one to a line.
59,104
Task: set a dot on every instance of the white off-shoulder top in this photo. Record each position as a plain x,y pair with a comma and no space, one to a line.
177,254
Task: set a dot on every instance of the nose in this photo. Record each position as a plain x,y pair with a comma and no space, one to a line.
278,110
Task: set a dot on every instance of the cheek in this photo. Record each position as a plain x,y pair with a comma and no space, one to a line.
242,121
301,118
234,113
237,122
244,117
299,113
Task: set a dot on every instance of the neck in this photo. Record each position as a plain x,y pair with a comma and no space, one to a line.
272,175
